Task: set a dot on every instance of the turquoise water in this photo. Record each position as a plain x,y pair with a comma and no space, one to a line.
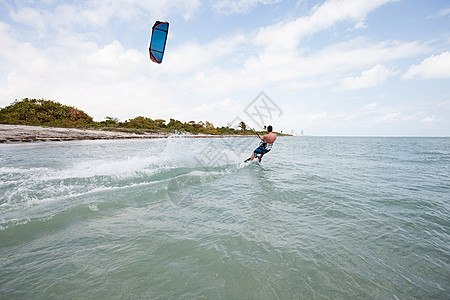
319,218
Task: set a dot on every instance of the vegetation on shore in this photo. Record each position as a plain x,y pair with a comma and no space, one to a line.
41,112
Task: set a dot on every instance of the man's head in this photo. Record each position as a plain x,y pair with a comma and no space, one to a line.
269,128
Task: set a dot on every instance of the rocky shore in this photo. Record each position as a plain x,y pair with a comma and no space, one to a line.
23,133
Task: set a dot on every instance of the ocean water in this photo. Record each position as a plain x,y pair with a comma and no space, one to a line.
180,218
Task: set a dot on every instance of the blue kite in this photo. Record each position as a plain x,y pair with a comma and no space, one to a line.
158,41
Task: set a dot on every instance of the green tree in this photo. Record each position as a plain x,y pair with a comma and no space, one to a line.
175,124
111,121
161,123
243,126
142,123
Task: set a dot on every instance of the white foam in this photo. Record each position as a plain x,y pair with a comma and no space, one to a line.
12,170
43,186
93,207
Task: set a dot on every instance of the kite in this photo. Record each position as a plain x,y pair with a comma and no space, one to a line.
158,41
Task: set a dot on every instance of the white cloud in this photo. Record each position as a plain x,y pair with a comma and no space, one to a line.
239,6
85,14
31,16
442,13
433,67
370,106
389,117
287,35
113,62
325,67
360,25
369,78
235,62
429,119
222,111
193,56
359,53
315,117
161,9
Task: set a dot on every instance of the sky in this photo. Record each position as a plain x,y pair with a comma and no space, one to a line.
332,68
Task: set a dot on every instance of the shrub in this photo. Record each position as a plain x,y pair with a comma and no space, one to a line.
142,123
44,112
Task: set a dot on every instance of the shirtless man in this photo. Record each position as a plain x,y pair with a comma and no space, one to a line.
267,141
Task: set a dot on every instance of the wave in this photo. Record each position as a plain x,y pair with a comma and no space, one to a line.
42,192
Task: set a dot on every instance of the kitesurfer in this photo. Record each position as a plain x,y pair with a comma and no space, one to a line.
265,146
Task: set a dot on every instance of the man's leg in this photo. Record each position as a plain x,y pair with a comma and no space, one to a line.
251,158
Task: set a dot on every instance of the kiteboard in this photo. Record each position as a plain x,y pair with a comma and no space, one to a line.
256,159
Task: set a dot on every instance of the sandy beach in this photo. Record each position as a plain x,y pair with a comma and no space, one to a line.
23,133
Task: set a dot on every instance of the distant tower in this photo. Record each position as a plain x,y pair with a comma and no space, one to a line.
302,133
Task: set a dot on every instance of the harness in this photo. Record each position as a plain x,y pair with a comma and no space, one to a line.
266,146
263,148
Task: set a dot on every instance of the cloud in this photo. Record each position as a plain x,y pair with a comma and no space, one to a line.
31,16
239,6
433,67
85,14
114,61
442,13
192,56
369,78
360,25
223,111
287,35
291,70
236,62
389,117
370,106
429,119
360,53
316,117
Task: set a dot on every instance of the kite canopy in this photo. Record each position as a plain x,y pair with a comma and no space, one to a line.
158,41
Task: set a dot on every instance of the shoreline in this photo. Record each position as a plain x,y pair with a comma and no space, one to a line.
30,134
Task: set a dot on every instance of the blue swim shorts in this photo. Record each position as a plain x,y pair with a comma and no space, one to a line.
261,149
